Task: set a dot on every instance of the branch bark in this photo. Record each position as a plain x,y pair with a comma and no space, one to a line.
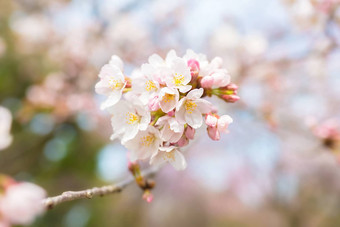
51,202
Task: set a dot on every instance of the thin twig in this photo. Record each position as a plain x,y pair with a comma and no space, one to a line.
51,202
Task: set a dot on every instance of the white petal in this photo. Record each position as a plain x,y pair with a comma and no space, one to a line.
166,133
185,88
175,137
203,105
195,94
156,60
111,71
102,87
157,158
111,100
175,125
116,61
167,149
130,133
180,113
144,122
194,119
180,67
223,123
170,56
179,162
147,69
162,120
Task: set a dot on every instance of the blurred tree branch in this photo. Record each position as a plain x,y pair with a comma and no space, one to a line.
96,191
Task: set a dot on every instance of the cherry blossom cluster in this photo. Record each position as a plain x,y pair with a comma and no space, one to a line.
157,110
20,202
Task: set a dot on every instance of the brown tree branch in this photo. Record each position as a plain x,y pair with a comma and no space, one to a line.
51,202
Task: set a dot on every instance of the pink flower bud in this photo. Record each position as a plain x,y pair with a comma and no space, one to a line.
213,133
230,98
207,82
154,103
190,133
131,165
210,120
171,113
147,196
194,65
231,87
221,78
183,141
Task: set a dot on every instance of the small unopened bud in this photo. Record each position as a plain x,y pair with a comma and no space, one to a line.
131,166
171,113
154,103
207,82
147,196
190,133
194,66
213,133
230,98
231,87
183,141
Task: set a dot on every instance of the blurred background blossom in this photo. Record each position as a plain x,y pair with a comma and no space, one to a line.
279,166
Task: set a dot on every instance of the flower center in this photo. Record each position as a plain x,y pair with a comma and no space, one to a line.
150,86
168,97
178,79
190,106
169,156
115,84
132,118
147,141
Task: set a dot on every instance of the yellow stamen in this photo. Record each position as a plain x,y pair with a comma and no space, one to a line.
115,84
169,156
168,97
132,118
178,79
150,86
147,141
190,106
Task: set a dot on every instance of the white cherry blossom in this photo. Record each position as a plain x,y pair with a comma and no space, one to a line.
145,144
171,155
112,82
128,118
171,130
168,99
21,203
180,76
190,108
144,83
162,66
